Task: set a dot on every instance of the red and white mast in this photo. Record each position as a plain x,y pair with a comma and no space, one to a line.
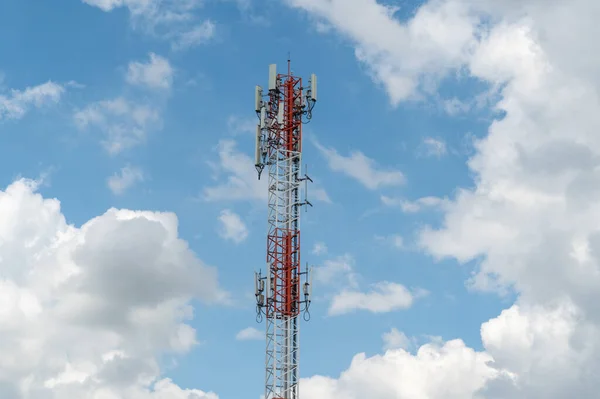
285,289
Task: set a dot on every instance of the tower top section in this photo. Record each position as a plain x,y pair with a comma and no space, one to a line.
271,107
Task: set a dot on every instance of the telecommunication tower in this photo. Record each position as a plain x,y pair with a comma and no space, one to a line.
278,293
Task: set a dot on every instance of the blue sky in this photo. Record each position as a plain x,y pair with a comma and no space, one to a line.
207,102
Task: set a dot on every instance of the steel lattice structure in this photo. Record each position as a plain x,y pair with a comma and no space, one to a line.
278,293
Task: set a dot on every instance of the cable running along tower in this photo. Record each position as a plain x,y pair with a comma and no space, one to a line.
284,291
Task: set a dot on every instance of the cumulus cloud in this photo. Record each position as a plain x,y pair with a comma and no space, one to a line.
250,333
531,217
361,168
157,73
124,123
408,59
232,227
17,103
125,179
448,371
536,165
88,311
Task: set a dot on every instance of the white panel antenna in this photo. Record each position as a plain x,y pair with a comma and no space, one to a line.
272,77
280,113
258,98
258,152
313,87
269,287
263,116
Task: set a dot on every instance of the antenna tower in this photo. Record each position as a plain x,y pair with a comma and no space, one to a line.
282,111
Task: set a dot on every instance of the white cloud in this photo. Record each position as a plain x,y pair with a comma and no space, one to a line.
407,59
83,304
152,12
126,178
340,281
16,104
448,371
242,182
339,270
232,227
415,206
382,298
395,339
536,165
172,20
531,217
197,35
361,168
157,73
124,123
434,147
319,248
250,333
105,5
